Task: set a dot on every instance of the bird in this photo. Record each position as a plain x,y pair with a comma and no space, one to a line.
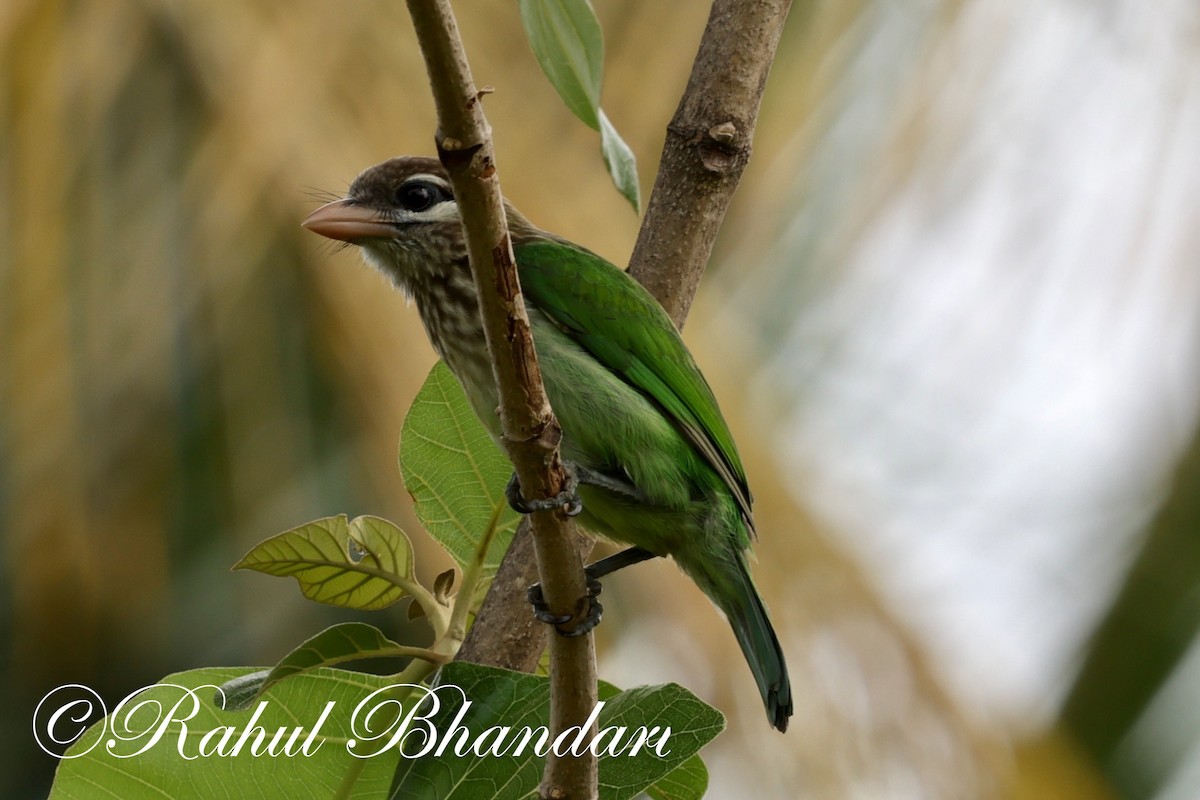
652,462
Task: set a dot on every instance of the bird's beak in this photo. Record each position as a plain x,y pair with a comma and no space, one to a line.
347,221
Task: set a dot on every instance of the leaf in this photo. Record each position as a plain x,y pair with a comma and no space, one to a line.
337,644
365,564
504,704
619,159
454,471
569,47
688,781
693,724
95,768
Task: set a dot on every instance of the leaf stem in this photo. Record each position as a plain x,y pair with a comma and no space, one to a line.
457,629
416,671
345,789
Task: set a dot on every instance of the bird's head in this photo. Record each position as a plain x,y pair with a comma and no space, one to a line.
403,215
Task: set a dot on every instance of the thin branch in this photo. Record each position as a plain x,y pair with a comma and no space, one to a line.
530,431
697,176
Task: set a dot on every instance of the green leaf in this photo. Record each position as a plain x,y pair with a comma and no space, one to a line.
365,564
504,704
619,159
102,763
688,781
454,471
569,47
693,724
347,641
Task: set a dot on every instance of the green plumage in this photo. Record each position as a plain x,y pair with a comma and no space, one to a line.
620,325
631,402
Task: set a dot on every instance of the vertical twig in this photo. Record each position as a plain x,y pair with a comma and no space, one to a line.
530,431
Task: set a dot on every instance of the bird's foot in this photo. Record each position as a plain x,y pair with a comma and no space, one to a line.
568,499
587,611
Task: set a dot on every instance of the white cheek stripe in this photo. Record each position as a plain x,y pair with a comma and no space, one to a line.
445,211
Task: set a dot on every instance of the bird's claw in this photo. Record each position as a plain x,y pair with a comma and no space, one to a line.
587,611
568,499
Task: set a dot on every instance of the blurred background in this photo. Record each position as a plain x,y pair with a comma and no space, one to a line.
953,319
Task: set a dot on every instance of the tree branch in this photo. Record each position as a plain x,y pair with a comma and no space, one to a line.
697,176
707,147
530,432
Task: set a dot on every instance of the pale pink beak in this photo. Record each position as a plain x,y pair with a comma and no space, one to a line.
347,221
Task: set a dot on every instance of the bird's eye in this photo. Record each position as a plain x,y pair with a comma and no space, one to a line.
418,196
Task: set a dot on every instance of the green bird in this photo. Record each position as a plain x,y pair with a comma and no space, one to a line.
654,462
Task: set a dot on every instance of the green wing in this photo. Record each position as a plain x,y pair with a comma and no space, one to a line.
617,321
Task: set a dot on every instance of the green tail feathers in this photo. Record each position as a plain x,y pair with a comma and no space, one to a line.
735,594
